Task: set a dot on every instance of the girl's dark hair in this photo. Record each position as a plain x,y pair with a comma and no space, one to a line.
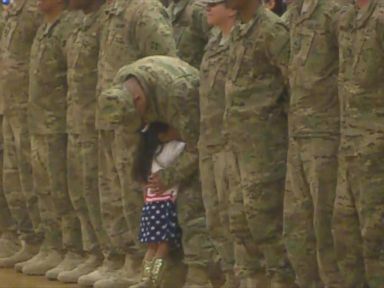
146,150
280,7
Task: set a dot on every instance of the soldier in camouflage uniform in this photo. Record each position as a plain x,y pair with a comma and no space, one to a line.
21,22
170,91
190,29
344,3
47,124
313,143
132,30
256,126
359,206
290,15
211,144
287,16
8,240
82,53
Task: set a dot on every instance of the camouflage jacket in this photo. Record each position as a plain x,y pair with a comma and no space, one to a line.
171,86
1,19
290,14
21,22
213,71
255,87
345,3
134,29
1,68
313,68
82,54
361,39
190,29
48,76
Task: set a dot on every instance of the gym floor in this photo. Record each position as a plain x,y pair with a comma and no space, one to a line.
9,278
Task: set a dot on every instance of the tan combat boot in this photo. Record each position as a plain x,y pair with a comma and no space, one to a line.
109,267
9,245
231,281
175,274
49,260
259,280
197,277
124,277
26,252
89,265
43,252
70,262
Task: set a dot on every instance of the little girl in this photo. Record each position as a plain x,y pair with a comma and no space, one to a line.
159,228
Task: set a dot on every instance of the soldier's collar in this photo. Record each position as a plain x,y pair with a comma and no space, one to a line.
15,8
50,26
217,44
364,13
223,41
243,28
308,13
90,18
115,7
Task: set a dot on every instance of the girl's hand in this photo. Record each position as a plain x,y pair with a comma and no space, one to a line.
156,185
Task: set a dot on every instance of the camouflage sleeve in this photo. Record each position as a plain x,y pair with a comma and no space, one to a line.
380,28
1,23
37,16
334,15
277,47
287,17
184,113
70,23
153,31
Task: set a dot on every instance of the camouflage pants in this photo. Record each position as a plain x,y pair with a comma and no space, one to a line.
197,245
256,206
6,222
309,199
59,222
17,177
359,219
215,196
83,189
132,194
111,201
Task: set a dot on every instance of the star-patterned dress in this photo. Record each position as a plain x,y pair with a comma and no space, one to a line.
159,217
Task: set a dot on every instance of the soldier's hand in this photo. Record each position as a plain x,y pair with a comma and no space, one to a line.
156,184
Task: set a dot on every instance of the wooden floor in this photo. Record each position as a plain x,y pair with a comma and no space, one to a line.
11,279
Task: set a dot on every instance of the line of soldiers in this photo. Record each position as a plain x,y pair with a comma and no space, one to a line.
282,122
